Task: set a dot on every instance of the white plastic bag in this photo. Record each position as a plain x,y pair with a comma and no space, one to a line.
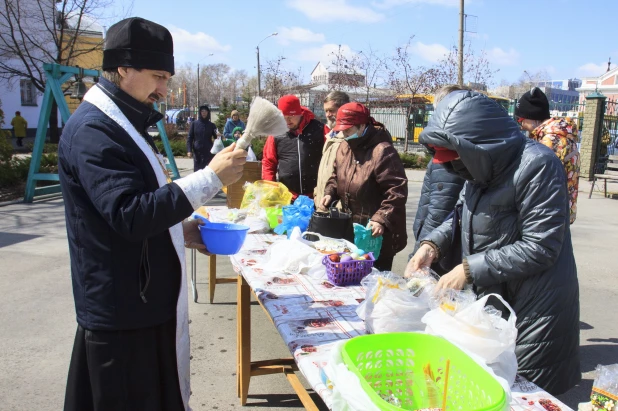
217,146
390,306
292,256
348,394
480,332
251,155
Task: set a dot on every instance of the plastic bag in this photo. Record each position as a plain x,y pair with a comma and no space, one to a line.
228,142
263,194
483,332
390,306
365,241
296,215
251,155
604,394
292,256
274,215
217,146
452,301
348,394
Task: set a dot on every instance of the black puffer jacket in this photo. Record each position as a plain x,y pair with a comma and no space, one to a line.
516,237
439,195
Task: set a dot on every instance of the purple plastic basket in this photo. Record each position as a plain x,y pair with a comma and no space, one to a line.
349,272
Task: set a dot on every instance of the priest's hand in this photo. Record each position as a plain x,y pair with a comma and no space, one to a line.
228,164
193,239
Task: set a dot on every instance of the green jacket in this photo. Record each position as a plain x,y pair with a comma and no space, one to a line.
19,126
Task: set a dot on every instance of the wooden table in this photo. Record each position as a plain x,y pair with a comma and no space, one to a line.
311,315
212,276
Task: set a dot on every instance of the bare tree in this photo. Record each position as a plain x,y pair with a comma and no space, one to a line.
477,69
408,82
345,70
183,87
372,66
530,79
34,32
278,80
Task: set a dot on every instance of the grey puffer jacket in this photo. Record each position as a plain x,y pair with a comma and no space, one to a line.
439,195
516,237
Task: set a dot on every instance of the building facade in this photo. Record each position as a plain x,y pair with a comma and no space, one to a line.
20,93
606,84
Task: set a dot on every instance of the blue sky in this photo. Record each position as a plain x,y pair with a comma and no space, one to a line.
518,35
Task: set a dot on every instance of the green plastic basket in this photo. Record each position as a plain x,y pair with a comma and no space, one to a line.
392,365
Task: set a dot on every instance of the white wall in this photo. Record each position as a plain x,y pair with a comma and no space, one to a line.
11,102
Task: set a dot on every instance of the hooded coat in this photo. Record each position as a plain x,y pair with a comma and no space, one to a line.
515,232
202,134
439,195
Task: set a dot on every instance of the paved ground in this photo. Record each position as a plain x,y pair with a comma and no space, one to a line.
38,321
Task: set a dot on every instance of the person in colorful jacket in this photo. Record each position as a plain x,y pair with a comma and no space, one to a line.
558,133
294,158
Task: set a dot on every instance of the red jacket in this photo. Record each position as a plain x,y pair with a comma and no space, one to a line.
296,156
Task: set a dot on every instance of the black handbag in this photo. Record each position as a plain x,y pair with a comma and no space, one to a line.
334,224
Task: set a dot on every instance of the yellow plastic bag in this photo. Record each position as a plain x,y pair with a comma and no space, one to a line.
264,194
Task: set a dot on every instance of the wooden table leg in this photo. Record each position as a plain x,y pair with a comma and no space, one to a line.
244,338
212,276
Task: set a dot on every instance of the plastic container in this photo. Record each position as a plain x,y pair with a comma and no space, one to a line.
223,238
392,364
349,272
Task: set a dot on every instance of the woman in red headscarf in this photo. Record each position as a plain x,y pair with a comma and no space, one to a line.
369,180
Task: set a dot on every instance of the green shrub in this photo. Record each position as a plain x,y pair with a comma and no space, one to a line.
179,147
257,145
419,161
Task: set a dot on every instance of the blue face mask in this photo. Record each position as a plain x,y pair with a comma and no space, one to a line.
355,135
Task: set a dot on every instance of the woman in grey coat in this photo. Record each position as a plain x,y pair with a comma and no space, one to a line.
515,232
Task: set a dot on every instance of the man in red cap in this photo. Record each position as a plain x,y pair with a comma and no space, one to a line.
295,157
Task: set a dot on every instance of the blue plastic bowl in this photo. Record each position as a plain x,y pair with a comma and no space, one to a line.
223,238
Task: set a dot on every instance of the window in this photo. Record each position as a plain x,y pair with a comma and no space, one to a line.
28,93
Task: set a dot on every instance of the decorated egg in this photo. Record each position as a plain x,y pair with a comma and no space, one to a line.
346,258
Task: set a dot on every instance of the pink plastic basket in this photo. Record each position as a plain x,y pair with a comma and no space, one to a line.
349,272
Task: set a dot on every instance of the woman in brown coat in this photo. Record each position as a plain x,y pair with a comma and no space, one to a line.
369,180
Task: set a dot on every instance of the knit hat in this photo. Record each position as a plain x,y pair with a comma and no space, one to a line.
237,129
533,105
234,112
351,114
139,43
290,105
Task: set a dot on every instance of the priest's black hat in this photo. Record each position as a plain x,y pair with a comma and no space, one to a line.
138,43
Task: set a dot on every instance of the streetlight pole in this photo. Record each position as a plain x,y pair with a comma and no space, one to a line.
461,43
259,90
197,106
